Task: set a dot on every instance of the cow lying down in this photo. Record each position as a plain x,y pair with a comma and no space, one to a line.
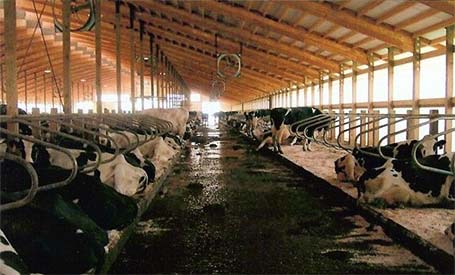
399,180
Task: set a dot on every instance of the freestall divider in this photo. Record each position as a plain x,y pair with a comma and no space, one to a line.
441,260
117,245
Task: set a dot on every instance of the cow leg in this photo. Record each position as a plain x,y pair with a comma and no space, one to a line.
264,142
294,141
309,146
274,141
304,140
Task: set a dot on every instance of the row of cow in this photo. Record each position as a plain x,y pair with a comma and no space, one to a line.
65,230
394,180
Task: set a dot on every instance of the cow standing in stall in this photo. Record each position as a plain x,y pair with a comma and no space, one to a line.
282,120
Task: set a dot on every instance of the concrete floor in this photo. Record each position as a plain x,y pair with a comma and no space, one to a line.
228,209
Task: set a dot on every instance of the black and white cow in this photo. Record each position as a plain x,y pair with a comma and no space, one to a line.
283,118
401,181
351,166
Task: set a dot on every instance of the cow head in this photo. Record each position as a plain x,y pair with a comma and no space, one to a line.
84,157
430,146
348,169
16,147
40,156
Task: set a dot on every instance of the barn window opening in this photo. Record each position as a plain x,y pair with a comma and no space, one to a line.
195,97
210,108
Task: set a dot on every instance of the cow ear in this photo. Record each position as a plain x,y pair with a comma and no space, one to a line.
439,144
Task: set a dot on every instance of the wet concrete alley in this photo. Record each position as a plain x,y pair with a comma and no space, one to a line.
228,209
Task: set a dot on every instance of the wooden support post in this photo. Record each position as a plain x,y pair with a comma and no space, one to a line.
132,59
450,49
67,108
158,76
409,123
297,96
352,131
152,70
370,82
118,60
53,125
313,85
390,75
36,89
44,92
330,80
141,56
25,90
99,103
2,86
52,95
354,86
36,132
363,137
391,127
375,139
341,99
9,8
321,89
434,129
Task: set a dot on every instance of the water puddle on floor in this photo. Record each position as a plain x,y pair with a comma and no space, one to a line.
228,209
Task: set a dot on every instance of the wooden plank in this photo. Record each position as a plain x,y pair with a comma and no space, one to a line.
67,93
98,52
449,84
352,131
10,61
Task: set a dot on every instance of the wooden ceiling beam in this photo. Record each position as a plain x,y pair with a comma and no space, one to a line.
348,20
447,6
396,10
232,32
191,55
295,33
267,59
205,69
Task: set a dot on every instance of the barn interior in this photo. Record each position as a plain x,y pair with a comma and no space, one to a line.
186,89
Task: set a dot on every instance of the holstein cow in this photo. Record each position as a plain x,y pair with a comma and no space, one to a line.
282,118
351,166
401,181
